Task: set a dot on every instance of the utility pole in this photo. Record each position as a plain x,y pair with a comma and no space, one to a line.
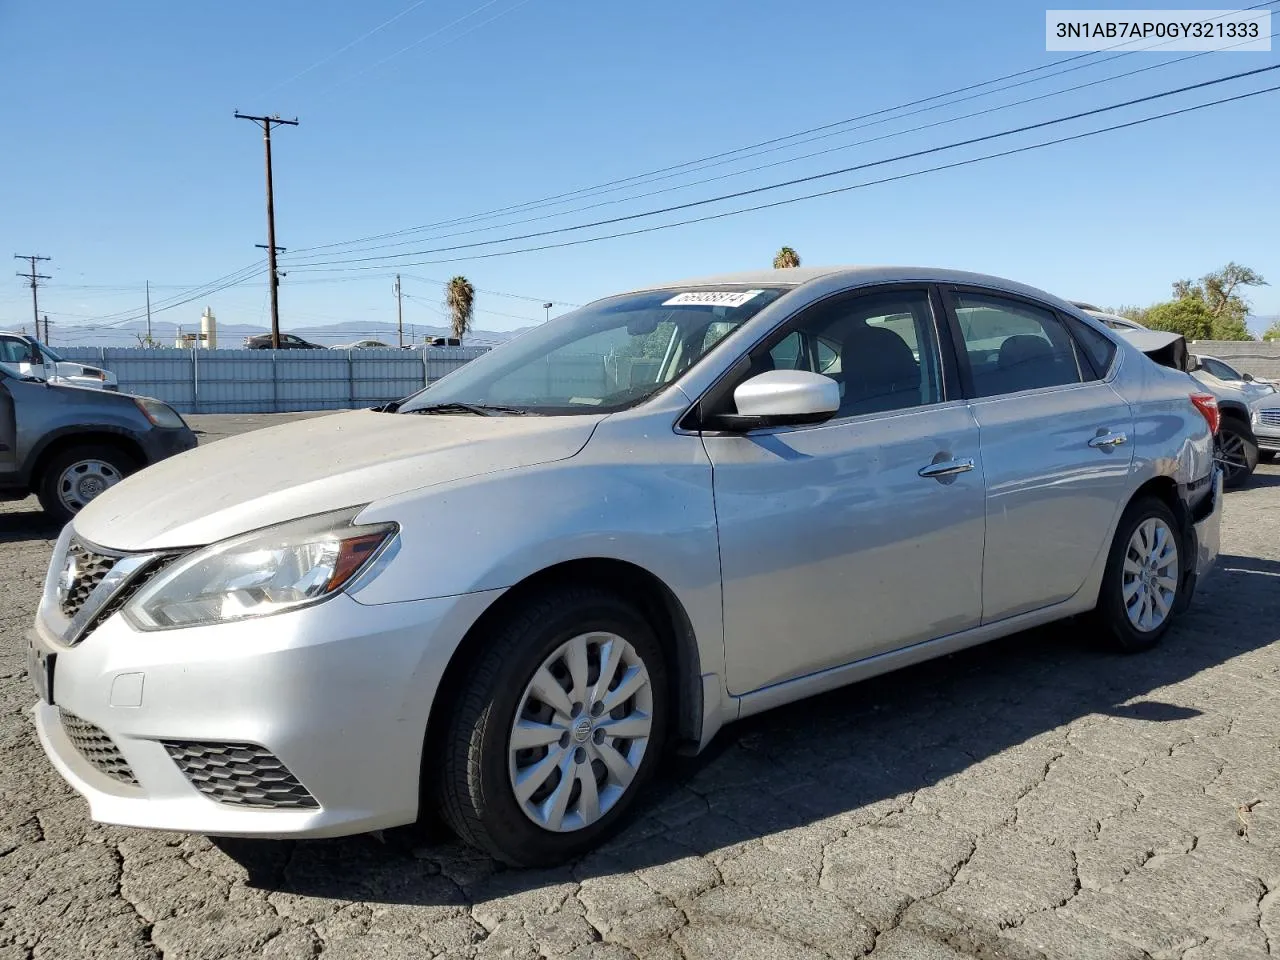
46,329
148,313
547,307
35,279
399,312
273,277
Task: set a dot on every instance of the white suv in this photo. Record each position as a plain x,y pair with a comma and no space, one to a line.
35,359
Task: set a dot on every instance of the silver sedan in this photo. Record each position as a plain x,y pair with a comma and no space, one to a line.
508,595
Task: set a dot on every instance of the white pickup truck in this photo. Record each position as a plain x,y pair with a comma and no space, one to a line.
35,359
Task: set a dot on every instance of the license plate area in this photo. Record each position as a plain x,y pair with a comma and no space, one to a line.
40,666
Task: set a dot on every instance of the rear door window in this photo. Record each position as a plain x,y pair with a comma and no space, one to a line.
1014,346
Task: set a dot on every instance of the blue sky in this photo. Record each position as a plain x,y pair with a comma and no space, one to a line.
122,160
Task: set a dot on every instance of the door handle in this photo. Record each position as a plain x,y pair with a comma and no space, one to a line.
946,468
1106,441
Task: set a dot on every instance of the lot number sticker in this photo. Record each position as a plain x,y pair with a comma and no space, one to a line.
712,298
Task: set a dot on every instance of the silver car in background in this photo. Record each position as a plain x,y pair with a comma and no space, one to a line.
506,596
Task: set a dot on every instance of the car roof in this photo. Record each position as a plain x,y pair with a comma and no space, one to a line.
857,275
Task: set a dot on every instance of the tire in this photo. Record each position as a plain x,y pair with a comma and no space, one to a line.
476,765
1112,616
1238,453
104,466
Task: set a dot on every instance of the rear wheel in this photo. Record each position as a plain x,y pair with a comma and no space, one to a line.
77,475
1237,452
559,725
1140,587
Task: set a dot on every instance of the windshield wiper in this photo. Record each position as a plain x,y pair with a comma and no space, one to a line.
479,409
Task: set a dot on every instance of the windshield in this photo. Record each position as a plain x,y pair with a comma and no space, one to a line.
605,357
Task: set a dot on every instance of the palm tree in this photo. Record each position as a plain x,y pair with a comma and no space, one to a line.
460,301
786,257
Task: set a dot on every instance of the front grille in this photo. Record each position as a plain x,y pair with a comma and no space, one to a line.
88,570
244,774
1270,417
97,748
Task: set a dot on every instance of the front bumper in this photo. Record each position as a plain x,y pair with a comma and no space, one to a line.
160,443
1268,437
340,693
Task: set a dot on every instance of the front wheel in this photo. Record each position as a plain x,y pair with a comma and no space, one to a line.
1140,586
1238,454
76,475
559,724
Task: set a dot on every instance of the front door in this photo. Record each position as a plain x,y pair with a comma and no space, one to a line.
1057,446
862,534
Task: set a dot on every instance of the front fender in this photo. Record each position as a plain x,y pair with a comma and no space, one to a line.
492,532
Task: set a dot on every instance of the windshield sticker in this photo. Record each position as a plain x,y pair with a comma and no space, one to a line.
712,298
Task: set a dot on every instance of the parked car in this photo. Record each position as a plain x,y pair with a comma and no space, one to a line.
32,357
1265,416
1112,320
287,342
363,345
1237,446
1216,373
609,537
67,444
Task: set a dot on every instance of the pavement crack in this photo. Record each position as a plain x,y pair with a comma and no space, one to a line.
147,925
1268,899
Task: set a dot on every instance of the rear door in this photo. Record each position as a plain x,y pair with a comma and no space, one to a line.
1056,447
863,534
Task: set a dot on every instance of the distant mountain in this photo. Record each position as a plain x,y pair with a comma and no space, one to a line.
1257,325
231,335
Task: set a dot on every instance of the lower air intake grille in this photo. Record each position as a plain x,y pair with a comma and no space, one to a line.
96,747
239,773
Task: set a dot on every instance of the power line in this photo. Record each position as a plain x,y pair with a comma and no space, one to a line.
341,50
549,200
807,156
493,293
273,276
242,275
430,36
807,179
856,186
34,279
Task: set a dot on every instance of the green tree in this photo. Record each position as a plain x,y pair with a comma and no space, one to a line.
460,302
1220,291
1211,308
1272,332
786,257
1188,316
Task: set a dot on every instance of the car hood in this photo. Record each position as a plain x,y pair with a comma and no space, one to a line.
326,463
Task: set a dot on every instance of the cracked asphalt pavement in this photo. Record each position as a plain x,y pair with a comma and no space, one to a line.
1034,798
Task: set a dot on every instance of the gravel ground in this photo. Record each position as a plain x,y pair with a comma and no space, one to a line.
1034,798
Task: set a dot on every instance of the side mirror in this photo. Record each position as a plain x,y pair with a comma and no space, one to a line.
779,398
1193,363
1248,377
34,356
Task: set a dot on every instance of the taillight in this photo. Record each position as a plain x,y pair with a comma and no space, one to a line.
1207,404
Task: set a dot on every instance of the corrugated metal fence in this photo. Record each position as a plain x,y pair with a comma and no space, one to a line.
273,381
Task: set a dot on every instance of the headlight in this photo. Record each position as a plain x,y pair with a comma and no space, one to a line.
268,571
160,414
